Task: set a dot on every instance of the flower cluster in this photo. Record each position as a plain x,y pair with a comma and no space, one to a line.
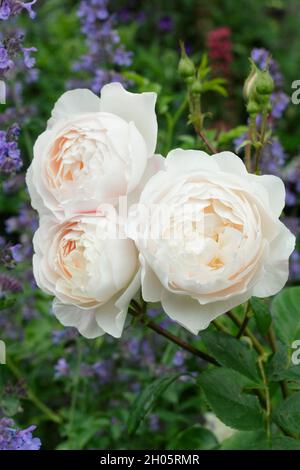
12,438
10,155
105,53
219,243
10,8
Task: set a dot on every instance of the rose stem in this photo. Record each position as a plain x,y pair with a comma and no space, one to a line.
206,141
161,331
257,346
245,321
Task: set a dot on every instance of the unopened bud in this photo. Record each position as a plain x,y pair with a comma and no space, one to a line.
196,87
186,67
264,83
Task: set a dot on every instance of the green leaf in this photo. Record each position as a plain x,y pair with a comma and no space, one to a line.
232,353
145,401
229,136
286,313
223,389
278,363
246,440
287,415
6,302
194,438
285,443
262,315
10,405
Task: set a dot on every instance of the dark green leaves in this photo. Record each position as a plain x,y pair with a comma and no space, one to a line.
223,389
194,438
262,315
286,313
232,353
287,414
145,401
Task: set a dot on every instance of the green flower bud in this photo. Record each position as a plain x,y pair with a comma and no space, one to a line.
186,67
249,86
196,87
253,108
264,83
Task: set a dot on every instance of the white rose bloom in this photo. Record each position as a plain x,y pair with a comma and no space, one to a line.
232,244
92,275
93,151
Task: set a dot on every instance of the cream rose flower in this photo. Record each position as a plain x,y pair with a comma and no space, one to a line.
90,269
231,244
93,151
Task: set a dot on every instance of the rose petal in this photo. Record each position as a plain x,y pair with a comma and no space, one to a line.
136,107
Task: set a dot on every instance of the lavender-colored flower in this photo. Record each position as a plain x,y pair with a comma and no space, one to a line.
295,266
9,285
13,7
105,51
28,60
165,23
10,155
62,368
5,62
61,336
178,359
279,102
12,438
154,423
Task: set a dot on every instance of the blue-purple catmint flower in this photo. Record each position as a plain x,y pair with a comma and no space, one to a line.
12,438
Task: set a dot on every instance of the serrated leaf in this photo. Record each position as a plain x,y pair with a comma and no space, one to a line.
262,315
145,401
232,353
223,389
287,415
286,314
194,438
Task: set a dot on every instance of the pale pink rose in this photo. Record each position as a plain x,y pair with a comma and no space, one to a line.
93,151
92,274
232,245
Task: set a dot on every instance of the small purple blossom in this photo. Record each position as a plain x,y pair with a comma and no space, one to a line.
28,60
165,23
10,155
105,53
12,438
10,8
9,285
62,368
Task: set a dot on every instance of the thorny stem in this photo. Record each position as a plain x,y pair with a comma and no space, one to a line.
267,395
139,315
262,142
197,119
206,141
246,320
